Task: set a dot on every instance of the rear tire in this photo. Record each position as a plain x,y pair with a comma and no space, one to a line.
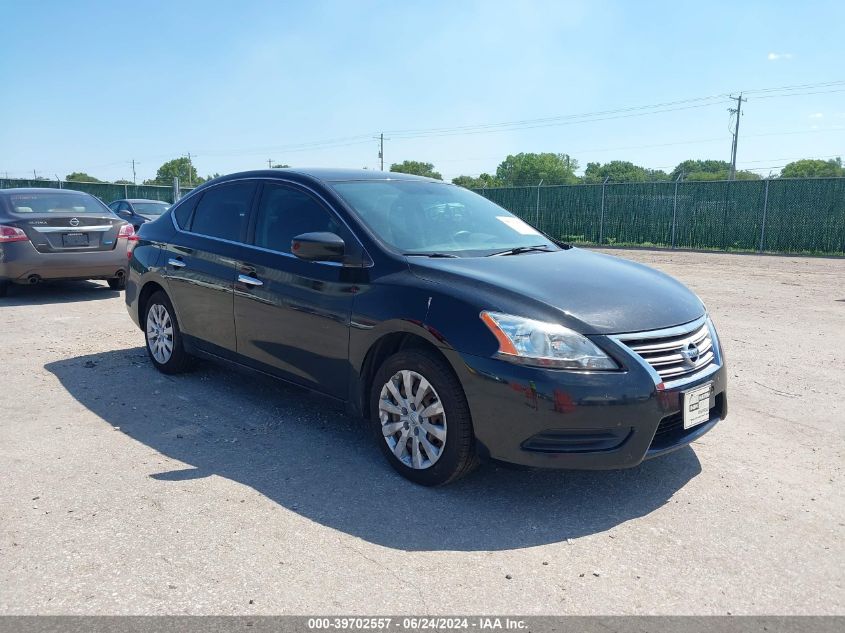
4,288
117,283
164,339
433,449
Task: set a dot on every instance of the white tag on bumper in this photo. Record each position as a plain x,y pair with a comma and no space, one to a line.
696,405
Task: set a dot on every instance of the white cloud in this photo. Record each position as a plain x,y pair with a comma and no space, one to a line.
816,115
773,57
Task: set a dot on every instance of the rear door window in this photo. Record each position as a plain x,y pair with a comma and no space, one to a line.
284,213
223,210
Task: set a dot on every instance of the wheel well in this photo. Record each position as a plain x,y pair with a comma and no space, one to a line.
380,351
146,292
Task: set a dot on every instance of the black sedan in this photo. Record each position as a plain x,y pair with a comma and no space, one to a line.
456,329
137,211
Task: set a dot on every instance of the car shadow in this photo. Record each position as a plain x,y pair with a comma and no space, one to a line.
303,453
48,292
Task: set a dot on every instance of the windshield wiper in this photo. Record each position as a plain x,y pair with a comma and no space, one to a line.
543,248
429,255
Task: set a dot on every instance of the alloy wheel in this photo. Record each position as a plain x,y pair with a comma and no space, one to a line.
160,333
413,421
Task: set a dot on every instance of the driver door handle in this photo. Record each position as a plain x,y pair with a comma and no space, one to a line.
250,281
176,263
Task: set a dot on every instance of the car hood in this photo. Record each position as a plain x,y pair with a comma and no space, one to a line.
601,294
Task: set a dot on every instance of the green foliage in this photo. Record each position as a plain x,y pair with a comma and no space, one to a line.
530,169
122,181
278,166
181,168
483,181
812,168
416,168
81,176
621,171
703,170
700,167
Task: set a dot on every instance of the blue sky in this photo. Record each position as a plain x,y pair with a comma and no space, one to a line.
90,85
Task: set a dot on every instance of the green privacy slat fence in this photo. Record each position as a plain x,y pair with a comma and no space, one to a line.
779,216
107,192
802,215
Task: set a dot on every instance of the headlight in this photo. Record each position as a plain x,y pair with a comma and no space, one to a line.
541,344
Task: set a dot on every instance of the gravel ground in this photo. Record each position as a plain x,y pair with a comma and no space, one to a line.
128,492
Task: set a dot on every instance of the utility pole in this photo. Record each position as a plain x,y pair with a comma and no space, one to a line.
738,112
134,178
190,167
381,151
269,163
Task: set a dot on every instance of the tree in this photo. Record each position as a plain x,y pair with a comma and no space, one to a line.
181,168
278,166
81,176
622,171
483,181
813,168
123,181
530,169
416,168
709,170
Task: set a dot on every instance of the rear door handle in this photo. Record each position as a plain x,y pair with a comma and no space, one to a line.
250,281
176,263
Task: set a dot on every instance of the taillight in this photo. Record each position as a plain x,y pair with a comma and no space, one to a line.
12,234
127,232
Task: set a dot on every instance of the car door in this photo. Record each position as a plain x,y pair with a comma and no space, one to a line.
292,316
200,264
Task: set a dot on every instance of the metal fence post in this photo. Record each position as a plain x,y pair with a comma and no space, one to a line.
675,209
537,225
765,210
176,195
601,214
125,191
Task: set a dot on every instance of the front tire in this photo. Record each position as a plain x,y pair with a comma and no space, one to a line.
4,288
164,339
421,419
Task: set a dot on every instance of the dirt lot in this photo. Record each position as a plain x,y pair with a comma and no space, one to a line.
125,491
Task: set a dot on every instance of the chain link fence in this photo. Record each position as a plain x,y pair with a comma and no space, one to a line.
802,216
105,191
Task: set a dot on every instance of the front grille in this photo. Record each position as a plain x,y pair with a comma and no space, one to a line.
676,352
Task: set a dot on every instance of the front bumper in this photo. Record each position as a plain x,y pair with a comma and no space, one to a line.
580,420
19,261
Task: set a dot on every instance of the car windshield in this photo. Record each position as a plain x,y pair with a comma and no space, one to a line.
150,208
75,203
420,217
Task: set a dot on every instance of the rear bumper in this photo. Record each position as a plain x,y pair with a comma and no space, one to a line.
19,261
591,421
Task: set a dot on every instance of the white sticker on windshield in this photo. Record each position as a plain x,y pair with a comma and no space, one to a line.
517,225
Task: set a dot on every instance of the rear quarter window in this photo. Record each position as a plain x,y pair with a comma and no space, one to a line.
182,211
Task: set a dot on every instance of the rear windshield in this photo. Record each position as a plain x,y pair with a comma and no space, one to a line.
75,203
150,208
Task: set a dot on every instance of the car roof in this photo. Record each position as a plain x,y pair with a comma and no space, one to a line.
327,174
133,200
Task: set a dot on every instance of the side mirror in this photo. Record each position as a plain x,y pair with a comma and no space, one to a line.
124,214
318,247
